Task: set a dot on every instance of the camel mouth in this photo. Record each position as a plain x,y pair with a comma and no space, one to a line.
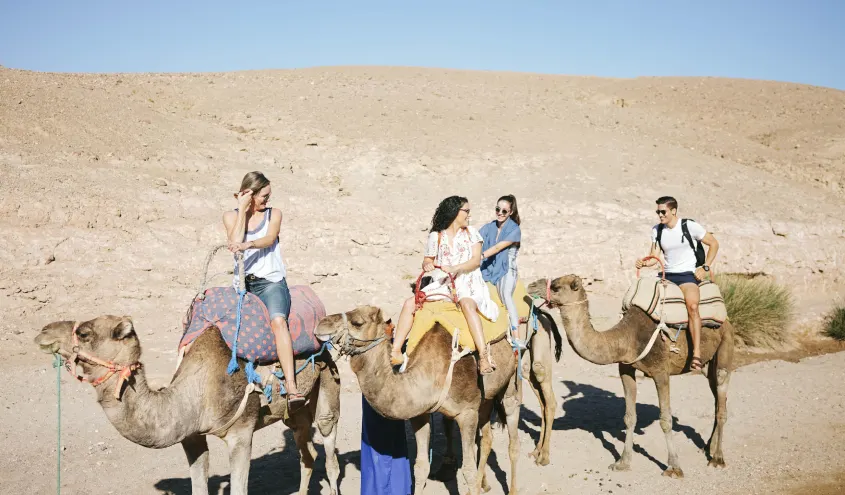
47,347
324,337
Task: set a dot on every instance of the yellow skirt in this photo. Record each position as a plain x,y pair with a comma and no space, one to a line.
451,317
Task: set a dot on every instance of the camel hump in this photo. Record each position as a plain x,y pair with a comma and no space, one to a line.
645,294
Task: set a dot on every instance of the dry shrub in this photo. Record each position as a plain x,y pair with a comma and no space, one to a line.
834,323
759,308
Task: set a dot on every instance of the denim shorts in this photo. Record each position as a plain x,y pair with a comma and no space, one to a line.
682,278
274,295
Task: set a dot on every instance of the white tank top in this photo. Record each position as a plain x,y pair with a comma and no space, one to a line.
266,263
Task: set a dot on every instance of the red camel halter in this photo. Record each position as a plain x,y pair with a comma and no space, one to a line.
124,371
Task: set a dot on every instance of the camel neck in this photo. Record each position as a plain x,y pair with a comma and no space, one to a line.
586,341
154,419
393,395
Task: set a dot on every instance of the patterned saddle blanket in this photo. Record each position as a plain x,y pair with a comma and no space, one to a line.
255,342
646,294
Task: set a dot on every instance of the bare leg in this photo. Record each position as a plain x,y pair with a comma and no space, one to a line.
720,377
629,385
692,295
422,468
196,450
470,310
240,450
284,349
661,381
403,328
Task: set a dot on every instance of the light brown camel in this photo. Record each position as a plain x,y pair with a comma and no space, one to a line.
544,348
201,399
623,344
364,335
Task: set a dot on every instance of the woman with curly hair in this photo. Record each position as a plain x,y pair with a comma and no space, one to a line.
455,248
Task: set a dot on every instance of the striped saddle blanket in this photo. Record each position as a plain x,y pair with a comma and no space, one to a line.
256,342
646,293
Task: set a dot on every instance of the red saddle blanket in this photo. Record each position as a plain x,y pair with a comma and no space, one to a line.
255,342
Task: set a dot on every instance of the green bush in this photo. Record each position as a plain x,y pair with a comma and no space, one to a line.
834,323
759,308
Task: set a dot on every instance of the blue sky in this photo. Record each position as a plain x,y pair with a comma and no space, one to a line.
775,39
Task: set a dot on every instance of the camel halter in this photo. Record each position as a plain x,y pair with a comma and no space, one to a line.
345,341
123,371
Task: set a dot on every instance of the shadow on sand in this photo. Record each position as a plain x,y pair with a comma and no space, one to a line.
597,411
274,473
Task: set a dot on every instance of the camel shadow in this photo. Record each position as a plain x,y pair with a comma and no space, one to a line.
275,472
597,411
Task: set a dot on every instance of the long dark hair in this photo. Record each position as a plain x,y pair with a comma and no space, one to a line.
446,212
510,198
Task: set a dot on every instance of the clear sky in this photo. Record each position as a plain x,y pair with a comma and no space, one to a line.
760,39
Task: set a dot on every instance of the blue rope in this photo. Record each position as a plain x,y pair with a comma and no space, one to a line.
268,390
233,363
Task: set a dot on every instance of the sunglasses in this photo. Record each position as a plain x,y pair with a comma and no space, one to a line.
661,212
466,210
502,211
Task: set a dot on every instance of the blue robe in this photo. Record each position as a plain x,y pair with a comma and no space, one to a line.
496,266
385,467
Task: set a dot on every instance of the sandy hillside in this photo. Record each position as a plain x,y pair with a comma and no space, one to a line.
112,189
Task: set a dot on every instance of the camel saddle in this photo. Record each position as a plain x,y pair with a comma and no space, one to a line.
646,293
256,342
450,316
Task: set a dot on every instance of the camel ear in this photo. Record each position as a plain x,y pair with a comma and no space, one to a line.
123,329
575,285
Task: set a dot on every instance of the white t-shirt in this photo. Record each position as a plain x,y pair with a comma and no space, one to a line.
677,253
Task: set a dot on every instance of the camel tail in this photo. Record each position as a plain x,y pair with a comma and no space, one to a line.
498,418
552,325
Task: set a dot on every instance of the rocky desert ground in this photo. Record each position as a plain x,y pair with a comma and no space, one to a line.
112,189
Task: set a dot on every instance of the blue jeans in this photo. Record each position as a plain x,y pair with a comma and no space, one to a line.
274,295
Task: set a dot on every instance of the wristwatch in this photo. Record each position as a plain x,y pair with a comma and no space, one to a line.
706,268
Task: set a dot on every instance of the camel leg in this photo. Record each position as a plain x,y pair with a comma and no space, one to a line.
720,377
541,382
468,423
511,404
483,454
629,385
661,381
327,414
449,457
422,467
239,443
302,437
196,450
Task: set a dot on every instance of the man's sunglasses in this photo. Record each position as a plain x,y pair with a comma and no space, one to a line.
661,212
502,211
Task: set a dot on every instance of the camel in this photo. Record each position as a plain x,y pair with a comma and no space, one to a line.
202,399
364,335
624,343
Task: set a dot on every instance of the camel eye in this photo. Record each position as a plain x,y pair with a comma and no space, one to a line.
357,322
83,333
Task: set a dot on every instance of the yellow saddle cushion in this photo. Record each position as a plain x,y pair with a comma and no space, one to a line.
451,317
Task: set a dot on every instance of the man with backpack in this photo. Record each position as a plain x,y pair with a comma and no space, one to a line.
680,240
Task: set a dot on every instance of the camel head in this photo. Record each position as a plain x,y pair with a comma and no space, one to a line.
355,331
562,291
93,345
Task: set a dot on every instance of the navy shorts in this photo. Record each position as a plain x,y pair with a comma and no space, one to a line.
274,295
682,278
